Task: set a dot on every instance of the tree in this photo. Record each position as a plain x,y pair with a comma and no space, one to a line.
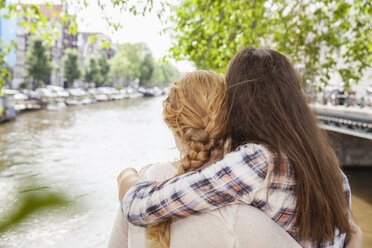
71,66
97,70
5,73
157,77
48,27
170,73
323,37
118,67
132,61
132,53
104,67
92,72
33,20
30,17
38,64
9,9
146,67
164,74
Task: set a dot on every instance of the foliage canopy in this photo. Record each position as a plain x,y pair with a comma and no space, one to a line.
146,66
135,61
164,74
92,72
322,38
38,64
104,68
72,70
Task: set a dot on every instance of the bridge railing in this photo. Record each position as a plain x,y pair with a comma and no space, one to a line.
347,122
341,99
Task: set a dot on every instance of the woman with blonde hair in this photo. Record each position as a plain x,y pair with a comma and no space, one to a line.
196,112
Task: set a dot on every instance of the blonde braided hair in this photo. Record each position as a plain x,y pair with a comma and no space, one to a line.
196,111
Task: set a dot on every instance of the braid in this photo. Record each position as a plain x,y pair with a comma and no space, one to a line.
199,153
158,236
200,148
196,111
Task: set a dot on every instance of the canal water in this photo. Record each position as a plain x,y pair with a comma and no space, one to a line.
78,152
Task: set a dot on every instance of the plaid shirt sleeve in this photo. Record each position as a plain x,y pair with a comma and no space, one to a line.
235,178
347,193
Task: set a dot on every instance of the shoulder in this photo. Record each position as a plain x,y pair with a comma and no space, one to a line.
347,190
250,151
257,157
158,171
255,150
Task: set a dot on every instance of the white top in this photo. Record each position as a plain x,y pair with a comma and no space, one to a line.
233,226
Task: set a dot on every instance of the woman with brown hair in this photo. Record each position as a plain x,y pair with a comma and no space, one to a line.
282,161
196,112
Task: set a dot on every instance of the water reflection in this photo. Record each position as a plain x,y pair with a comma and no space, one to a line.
78,151
361,188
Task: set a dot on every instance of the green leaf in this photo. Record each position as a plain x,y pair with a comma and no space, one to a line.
64,19
92,38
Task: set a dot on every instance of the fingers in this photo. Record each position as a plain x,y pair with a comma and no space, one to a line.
126,179
356,240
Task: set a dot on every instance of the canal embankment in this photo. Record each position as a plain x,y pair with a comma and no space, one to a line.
55,98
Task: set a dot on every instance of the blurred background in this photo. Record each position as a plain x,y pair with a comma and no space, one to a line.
82,84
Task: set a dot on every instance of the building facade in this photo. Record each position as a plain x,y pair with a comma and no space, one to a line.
56,51
15,30
8,34
87,48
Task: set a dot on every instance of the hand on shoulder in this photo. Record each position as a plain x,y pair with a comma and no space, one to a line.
356,240
126,179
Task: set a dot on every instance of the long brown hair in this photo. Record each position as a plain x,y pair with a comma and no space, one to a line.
267,106
196,111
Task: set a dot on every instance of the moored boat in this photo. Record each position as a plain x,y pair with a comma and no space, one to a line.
55,106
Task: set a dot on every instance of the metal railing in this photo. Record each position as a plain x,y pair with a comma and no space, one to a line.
346,123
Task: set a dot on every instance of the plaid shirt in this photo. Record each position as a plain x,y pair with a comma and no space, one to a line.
241,177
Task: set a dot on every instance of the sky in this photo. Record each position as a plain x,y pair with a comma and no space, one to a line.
135,29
